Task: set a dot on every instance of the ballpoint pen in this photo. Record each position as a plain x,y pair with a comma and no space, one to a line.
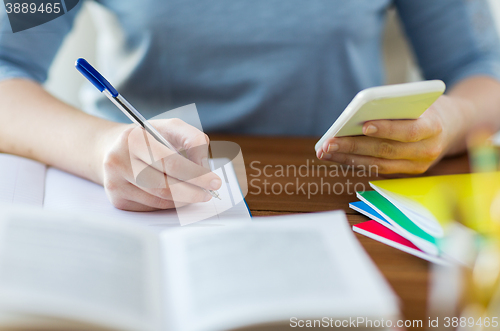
133,114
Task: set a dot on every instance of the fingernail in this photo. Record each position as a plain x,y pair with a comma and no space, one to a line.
371,129
333,147
215,184
207,197
325,156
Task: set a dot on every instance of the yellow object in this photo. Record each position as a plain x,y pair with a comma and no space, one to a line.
476,197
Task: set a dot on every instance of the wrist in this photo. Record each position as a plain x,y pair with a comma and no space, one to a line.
105,139
461,124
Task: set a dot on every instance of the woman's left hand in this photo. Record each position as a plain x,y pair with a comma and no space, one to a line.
400,146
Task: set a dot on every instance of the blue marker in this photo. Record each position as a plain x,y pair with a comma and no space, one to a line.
104,86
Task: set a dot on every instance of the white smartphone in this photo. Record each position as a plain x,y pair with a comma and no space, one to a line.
390,102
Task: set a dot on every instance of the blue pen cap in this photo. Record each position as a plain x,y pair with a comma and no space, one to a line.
95,77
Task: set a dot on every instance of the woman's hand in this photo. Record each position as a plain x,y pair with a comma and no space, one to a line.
140,174
400,146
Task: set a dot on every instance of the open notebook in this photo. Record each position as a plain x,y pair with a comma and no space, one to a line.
24,181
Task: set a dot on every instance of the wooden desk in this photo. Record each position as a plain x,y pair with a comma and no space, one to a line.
406,274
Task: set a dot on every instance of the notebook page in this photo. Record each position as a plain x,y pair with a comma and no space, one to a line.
231,205
237,199
73,194
22,181
66,192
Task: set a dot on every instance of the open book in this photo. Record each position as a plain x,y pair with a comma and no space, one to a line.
27,182
57,267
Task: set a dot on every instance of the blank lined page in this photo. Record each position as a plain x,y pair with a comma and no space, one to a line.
22,181
74,194
228,208
66,192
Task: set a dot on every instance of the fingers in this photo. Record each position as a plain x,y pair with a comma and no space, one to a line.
383,166
381,148
394,146
127,196
185,137
169,188
131,206
152,153
196,149
403,130
141,174
132,198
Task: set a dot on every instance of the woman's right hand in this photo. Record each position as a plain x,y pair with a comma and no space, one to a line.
133,181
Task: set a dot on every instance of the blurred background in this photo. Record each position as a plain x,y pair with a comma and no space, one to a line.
64,82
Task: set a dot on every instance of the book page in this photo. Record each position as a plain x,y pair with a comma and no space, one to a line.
60,265
22,181
16,321
304,266
65,192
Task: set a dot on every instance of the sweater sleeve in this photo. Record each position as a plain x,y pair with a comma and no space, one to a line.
452,39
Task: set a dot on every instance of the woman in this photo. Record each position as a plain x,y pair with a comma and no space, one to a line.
254,67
